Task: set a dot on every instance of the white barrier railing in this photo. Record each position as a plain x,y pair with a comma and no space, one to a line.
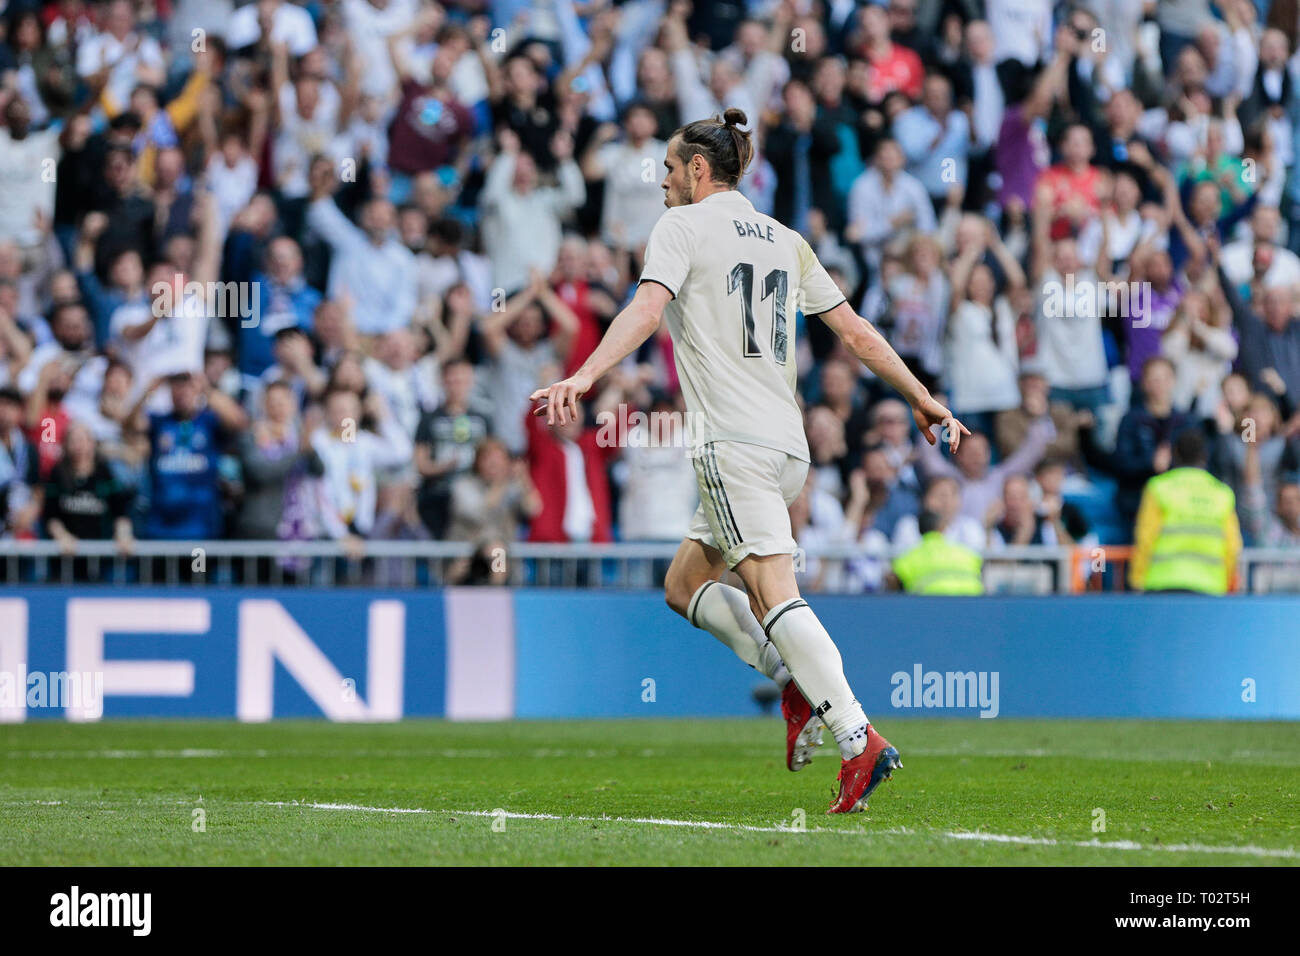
1031,569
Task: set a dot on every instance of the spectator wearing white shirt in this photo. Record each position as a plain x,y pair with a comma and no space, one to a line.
157,341
633,200
73,349
290,24
447,263
697,99
307,114
1120,221
353,458
982,356
1070,345
988,100
1200,343
726,88
403,377
918,306
817,523
1217,45
1242,259
370,23
1279,528
169,337
26,175
231,174
764,70
887,204
130,58
521,219
370,265
1022,29
659,490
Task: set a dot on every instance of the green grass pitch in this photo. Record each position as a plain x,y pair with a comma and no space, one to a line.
645,792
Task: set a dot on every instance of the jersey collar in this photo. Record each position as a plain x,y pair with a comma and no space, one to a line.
725,196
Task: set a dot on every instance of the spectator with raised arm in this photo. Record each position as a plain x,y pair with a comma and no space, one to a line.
184,446
512,195
369,263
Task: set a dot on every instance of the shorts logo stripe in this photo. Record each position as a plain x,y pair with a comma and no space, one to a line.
727,504
703,464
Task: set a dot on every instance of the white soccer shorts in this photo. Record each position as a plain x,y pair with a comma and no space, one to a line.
745,495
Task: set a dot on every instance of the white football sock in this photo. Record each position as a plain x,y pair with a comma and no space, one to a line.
724,612
818,670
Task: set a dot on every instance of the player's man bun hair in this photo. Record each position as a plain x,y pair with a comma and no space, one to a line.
726,147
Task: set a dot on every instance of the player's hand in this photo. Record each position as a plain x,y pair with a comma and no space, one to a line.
929,413
561,399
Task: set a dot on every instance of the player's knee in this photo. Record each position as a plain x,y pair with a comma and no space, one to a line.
677,591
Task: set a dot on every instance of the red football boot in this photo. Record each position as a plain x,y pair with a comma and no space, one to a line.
803,728
861,775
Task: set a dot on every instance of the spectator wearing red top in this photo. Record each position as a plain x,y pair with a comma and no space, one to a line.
577,511
589,302
1070,192
891,66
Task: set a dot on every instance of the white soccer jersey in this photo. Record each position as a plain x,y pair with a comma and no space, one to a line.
737,278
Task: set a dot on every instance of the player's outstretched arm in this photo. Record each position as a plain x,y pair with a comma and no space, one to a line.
630,328
865,341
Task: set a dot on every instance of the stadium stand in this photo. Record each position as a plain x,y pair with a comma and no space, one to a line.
276,280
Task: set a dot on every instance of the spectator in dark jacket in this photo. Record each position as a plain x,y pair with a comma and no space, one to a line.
84,501
1270,338
129,210
1144,442
445,440
800,151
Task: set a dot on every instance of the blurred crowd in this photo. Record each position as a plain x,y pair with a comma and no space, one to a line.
289,272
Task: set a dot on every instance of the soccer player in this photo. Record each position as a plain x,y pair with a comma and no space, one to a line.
728,280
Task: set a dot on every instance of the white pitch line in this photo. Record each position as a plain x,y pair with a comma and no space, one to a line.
1251,758
1094,844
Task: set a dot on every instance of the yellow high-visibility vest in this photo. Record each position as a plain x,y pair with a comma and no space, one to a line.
1197,518
936,565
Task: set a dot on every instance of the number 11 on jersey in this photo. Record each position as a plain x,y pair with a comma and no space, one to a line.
776,285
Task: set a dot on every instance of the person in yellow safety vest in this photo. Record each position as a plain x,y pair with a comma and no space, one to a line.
935,565
1187,536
